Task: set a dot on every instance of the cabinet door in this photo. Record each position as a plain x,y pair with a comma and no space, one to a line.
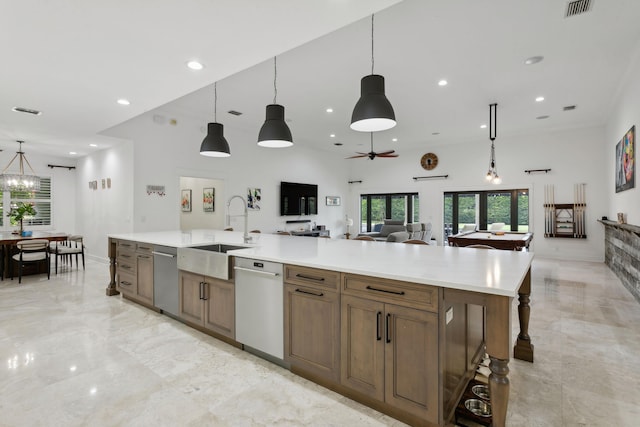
191,292
362,346
219,301
126,283
145,278
411,361
312,330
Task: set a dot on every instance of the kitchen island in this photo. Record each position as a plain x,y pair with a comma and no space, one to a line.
454,283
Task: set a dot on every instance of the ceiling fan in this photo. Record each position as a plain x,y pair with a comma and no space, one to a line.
372,154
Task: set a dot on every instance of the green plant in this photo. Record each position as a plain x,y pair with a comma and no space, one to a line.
19,212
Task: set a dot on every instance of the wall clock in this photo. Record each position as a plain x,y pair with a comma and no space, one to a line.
429,161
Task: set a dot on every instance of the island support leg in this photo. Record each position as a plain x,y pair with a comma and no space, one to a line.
498,340
523,349
111,287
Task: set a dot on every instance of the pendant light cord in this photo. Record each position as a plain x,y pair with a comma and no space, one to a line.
371,133
275,77
372,60
215,102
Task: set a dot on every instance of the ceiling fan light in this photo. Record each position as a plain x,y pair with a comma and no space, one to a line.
215,144
373,111
275,133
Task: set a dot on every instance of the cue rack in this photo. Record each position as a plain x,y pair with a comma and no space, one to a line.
565,220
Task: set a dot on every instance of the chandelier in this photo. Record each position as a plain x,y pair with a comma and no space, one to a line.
492,173
19,181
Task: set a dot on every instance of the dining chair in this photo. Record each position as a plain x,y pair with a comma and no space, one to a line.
74,245
479,246
254,231
284,233
31,251
415,242
228,229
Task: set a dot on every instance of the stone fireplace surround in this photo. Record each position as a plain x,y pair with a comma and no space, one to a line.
622,253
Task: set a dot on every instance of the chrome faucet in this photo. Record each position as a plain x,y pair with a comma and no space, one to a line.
246,237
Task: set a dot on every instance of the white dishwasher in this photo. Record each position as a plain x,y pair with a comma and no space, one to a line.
259,306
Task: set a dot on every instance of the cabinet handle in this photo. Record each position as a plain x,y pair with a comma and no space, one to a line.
144,248
126,267
144,256
124,282
388,332
125,256
310,293
317,279
378,321
371,288
204,291
201,288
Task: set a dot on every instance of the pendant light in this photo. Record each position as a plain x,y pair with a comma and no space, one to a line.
373,111
275,133
19,181
215,144
492,173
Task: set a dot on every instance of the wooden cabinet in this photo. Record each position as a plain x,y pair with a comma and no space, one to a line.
312,321
134,270
389,348
208,302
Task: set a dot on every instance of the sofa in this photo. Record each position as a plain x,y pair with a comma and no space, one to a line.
389,226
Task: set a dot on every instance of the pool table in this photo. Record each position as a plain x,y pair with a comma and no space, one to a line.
512,241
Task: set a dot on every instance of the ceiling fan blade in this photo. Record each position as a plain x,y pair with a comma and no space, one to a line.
387,155
382,153
355,157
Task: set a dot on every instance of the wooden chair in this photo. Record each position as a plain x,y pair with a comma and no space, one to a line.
415,242
479,247
31,251
284,233
74,245
228,229
254,231
367,238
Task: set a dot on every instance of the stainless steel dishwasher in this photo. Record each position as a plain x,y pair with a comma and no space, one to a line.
166,289
259,306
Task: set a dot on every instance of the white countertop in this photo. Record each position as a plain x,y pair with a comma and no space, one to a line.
487,271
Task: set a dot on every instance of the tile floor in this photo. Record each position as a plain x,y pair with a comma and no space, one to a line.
74,357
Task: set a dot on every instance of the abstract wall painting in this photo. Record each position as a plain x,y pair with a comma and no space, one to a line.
626,161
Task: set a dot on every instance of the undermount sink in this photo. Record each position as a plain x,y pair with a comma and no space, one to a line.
208,260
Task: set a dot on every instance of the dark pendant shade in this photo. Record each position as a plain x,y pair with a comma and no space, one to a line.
275,133
373,111
214,144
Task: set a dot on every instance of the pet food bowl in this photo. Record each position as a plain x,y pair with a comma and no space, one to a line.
478,407
481,390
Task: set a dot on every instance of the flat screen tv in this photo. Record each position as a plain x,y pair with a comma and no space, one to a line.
298,199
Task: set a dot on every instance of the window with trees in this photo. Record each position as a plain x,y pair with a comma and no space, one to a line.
375,208
484,208
41,201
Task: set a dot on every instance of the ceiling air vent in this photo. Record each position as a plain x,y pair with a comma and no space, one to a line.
26,110
577,7
234,112
569,108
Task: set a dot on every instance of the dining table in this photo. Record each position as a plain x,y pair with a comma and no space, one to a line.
9,239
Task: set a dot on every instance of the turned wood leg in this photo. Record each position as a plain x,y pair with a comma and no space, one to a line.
111,287
523,349
499,390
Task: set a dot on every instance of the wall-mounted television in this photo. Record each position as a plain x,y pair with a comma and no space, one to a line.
298,199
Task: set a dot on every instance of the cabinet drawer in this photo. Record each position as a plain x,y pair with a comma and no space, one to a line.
126,245
126,282
393,291
144,248
126,264
311,277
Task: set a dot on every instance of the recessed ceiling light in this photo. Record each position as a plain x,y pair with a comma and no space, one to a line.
195,65
93,145
333,135
533,60
542,117
72,153
442,82
394,139
329,110
483,126
123,101
540,99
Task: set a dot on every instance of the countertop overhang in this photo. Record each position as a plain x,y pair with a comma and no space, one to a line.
497,272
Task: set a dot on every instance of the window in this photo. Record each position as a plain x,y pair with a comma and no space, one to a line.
483,208
40,199
375,208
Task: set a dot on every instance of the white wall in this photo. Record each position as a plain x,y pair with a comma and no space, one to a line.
625,113
198,218
109,210
63,186
573,157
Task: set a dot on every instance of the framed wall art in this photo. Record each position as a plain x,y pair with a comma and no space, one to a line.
333,200
626,161
208,199
254,198
185,201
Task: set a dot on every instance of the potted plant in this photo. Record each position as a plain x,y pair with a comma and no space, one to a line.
19,212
